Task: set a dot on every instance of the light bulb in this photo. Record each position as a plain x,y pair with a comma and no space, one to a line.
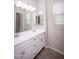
41,12
29,7
23,6
33,9
19,3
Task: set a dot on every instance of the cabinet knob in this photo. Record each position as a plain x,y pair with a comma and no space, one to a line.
41,40
35,45
23,53
34,39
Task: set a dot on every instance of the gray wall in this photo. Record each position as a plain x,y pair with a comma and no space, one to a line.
55,32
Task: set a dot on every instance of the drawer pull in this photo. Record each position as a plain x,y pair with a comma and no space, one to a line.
34,39
34,53
19,52
35,45
23,53
41,40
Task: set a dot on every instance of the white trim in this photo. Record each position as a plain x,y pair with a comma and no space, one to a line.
55,49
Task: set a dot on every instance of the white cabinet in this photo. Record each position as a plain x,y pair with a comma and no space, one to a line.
30,48
24,53
27,53
38,44
18,55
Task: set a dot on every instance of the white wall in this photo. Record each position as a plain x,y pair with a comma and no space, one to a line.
41,6
55,32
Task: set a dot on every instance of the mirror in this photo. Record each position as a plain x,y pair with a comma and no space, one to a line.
18,22
26,15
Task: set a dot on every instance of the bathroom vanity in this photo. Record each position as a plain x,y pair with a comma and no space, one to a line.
29,29
28,44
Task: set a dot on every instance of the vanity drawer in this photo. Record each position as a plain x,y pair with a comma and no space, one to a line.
37,38
37,41
36,49
17,55
22,45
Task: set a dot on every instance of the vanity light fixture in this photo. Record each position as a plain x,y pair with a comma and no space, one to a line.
29,7
41,12
33,9
19,4
25,6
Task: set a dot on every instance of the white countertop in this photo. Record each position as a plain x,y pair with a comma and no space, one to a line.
23,36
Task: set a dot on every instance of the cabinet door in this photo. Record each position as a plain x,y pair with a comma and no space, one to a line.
42,40
18,55
27,53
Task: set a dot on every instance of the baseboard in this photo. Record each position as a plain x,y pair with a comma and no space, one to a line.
55,49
